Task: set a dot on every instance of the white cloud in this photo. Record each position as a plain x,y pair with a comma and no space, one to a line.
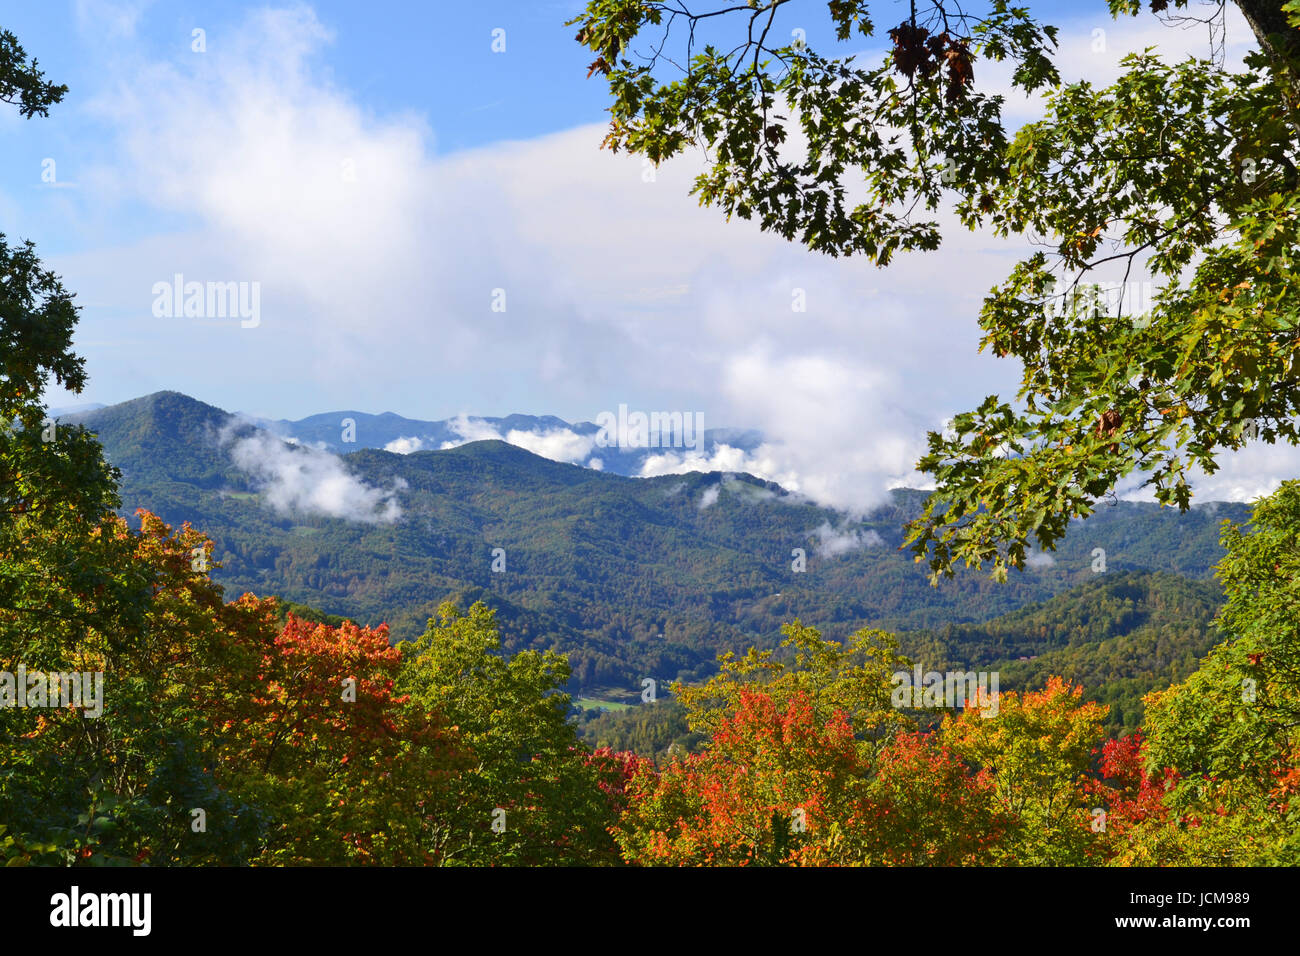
310,481
710,496
724,458
557,444
832,542
470,429
404,446
847,437
1039,560
1254,472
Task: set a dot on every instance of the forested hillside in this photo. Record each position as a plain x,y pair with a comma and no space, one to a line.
1118,636
632,578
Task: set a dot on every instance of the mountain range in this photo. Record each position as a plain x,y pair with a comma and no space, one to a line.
631,577
342,432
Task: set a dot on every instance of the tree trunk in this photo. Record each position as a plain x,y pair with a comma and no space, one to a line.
1276,36
1281,43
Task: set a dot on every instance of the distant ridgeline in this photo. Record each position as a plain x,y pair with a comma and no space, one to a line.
621,440
643,577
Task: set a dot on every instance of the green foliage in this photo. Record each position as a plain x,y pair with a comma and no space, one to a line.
851,680
786,128
529,775
1118,636
21,83
657,730
1038,749
117,786
54,484
1230,730
1190,171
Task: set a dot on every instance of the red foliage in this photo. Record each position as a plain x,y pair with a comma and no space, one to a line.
616,770
1138,795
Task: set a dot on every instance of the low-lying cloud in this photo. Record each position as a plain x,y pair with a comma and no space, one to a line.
304,480
762,463
557,444
405,446
1039,561
832,542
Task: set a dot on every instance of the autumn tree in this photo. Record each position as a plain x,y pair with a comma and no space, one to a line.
344,769
808,762
121,784
1038,752
1180,173
774,786
927,806
1136,825
852,678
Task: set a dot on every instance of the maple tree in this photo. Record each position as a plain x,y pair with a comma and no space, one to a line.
1037,750
774,787
926,806
1138,827
351,771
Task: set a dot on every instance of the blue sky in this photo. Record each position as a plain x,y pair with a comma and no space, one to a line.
433,56
381,175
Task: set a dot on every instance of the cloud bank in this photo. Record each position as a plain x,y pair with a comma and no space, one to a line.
304,480
557,444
